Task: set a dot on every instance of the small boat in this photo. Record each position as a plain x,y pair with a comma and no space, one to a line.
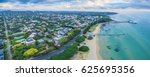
132,22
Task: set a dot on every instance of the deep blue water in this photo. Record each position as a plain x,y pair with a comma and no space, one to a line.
126,41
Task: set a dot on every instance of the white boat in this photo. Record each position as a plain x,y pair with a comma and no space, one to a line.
133,22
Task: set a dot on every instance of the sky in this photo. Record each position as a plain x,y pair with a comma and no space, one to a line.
73,5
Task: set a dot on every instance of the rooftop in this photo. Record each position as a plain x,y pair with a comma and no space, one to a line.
30,40
1,52
1,42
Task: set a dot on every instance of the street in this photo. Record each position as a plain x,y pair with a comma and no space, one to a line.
55,52
8,41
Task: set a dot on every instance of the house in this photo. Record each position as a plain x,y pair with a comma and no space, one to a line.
19,39
1,43
48,40
32,35
90,34
1,54
34,21
1,34
29,41
57,37
41,41
46,33
18,33
56,43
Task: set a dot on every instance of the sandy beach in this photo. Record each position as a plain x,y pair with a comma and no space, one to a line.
94,46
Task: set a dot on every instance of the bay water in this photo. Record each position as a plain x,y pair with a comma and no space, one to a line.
126,41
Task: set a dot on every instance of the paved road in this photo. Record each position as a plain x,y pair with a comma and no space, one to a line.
8,41
55,52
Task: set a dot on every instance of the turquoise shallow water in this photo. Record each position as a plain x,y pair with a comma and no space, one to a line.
126,41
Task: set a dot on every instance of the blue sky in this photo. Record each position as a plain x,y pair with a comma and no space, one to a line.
79,5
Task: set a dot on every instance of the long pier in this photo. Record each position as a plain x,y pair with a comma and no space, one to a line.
121,34
120,21
129,21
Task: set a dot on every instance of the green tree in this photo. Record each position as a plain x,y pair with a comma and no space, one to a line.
80,39
84,48
63,40
30,52
67,53
18,52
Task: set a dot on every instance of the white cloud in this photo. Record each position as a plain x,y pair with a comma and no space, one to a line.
32,6
76,4
6,5
66,5
84,4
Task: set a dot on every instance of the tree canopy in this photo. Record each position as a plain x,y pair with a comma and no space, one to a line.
67,53
80,39
84,48
17,45
30,52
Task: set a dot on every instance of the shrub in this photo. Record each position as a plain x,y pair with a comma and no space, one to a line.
90,38
17,45
84,48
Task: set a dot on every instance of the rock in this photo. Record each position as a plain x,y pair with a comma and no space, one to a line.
108,47
117,50
112,58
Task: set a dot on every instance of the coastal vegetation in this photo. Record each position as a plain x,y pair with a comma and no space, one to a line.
73,49
80,39
63,40
102,20
89,38
70,51
67,53
93,28
84,48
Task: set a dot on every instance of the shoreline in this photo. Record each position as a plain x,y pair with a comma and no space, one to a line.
94,45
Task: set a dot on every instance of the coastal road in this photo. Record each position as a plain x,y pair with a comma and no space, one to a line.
55,52
8,41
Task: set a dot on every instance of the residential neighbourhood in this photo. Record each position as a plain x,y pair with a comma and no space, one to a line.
39,31
1,39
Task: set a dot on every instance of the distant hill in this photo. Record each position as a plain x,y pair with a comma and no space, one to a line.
83,13
65,12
